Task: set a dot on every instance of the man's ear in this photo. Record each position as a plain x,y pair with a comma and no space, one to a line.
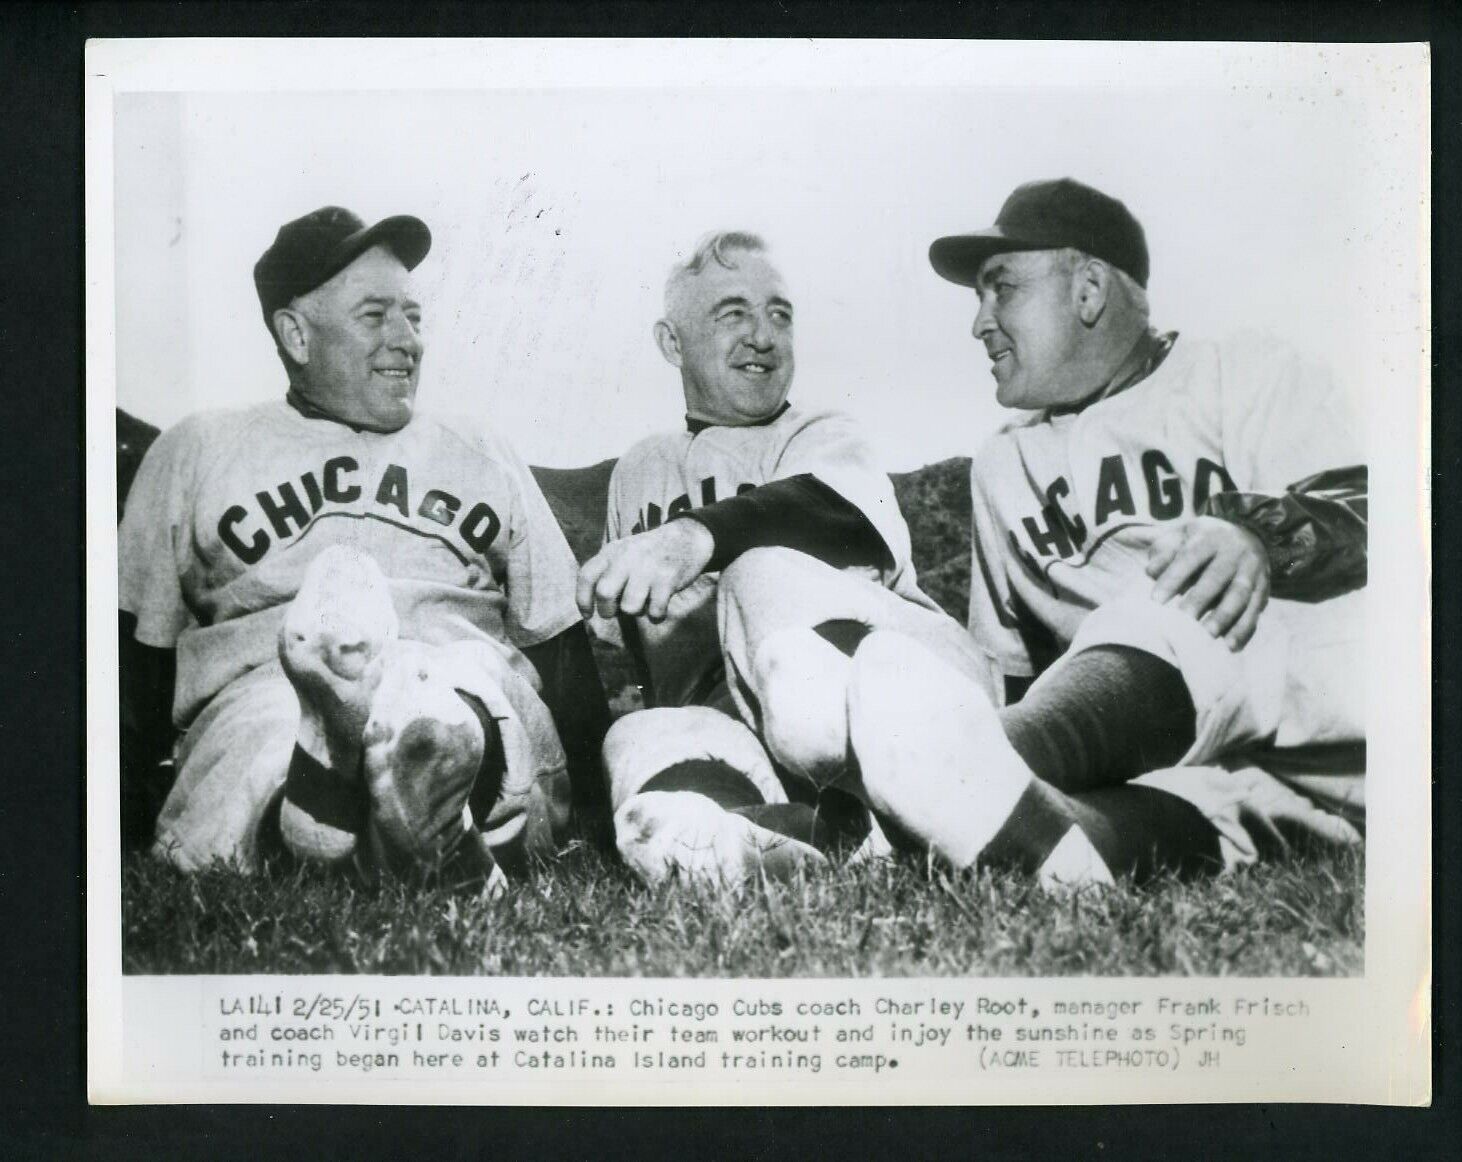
292,335
668,341
1091,286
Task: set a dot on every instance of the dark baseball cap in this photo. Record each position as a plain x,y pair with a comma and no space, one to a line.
312,250
1049,215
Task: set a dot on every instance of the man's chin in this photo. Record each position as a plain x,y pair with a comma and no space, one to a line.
1007,395
392,417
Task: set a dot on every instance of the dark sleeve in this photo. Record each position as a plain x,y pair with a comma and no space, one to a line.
145,688
1315,532
574,695
798,512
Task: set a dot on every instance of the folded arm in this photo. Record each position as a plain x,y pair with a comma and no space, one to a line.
640,574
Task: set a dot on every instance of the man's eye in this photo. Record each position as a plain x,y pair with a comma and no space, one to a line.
784,318
732,316
373,315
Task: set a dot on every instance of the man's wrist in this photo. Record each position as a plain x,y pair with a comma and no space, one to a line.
698,534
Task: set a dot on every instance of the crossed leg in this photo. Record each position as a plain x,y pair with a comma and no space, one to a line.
391,755
897,719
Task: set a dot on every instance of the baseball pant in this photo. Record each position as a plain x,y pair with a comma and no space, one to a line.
234,758
789,669
1292,701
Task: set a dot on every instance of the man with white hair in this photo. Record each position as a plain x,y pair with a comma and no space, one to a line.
751,502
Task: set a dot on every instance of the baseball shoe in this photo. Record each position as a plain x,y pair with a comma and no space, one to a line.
423,747
934,758
662,834
331,646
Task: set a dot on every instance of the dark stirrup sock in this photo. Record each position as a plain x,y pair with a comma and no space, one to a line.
324,795
844,633
494,766
1137,831
511,858
830,821
717,780
1105,715
319,813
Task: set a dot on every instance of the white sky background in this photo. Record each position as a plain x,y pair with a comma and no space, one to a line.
556,214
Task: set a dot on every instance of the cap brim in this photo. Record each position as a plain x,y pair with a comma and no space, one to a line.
407,238
958,257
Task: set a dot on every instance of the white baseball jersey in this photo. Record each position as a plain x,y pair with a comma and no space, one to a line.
676,472
229,508
1066,505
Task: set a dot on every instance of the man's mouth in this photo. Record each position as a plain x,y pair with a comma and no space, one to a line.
755,367
394,372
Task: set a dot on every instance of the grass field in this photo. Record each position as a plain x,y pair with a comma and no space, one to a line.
585,917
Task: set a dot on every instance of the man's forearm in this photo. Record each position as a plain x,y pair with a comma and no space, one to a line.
1315,533
799,512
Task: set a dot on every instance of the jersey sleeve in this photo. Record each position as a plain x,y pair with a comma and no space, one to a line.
1284,419
830,447
613,527
154,537
542,571
993,621
610,629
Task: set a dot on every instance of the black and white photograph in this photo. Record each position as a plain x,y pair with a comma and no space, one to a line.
760,530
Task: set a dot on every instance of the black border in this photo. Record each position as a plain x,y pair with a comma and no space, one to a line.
42,1091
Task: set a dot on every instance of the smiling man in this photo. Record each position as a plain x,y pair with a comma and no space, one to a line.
1128,534
360,617
752,517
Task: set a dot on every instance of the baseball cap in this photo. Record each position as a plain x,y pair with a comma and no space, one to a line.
1049,215
312,250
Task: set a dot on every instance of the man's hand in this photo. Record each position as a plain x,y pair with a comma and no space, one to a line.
1221,570
640,574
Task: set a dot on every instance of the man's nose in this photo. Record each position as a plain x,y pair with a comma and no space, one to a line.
763,333
984,320
402,334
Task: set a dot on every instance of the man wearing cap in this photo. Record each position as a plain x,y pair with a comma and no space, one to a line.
361,617
1129,533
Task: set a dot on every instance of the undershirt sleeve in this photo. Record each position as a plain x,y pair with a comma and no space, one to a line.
797,512
1315,532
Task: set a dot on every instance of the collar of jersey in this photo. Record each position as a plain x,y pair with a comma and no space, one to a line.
311,412
1146,358
695,427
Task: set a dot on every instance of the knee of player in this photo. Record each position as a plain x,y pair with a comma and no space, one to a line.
1112,618
801,682
760,571
797,663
